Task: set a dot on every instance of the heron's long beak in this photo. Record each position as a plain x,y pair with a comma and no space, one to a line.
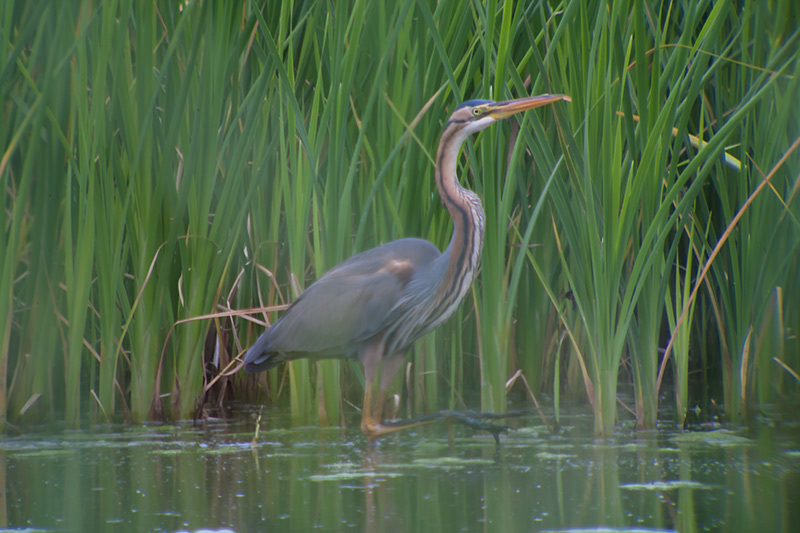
501,110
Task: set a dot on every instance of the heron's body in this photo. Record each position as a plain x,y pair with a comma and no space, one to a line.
377,303
354,303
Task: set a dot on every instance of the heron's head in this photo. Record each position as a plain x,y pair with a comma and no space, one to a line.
476,115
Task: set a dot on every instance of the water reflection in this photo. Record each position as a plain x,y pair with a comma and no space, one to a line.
167,478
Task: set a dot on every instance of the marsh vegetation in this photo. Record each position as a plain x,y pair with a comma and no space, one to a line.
164,168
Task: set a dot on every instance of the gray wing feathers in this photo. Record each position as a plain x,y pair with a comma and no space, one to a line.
350,304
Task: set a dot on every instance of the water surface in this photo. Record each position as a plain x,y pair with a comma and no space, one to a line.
210,476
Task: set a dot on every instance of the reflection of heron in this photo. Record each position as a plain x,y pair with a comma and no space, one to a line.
377,303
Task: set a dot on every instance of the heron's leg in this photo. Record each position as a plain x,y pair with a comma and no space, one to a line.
371,414
371,357
372,423
374,427
382,371
367,419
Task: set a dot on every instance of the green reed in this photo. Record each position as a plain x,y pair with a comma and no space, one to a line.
675,299
627,179
757,230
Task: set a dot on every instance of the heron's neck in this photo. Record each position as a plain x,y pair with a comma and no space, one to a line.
464,251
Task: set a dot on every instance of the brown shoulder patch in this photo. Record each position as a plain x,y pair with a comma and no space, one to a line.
398,268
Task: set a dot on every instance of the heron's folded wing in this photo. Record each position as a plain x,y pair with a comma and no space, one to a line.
354,301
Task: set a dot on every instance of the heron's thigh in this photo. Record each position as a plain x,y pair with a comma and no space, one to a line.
370,356
389,368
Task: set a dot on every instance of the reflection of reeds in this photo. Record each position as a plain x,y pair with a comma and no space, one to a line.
221,158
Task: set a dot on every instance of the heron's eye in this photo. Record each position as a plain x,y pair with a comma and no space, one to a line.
476,111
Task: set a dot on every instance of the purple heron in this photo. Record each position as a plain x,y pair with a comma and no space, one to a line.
377,303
